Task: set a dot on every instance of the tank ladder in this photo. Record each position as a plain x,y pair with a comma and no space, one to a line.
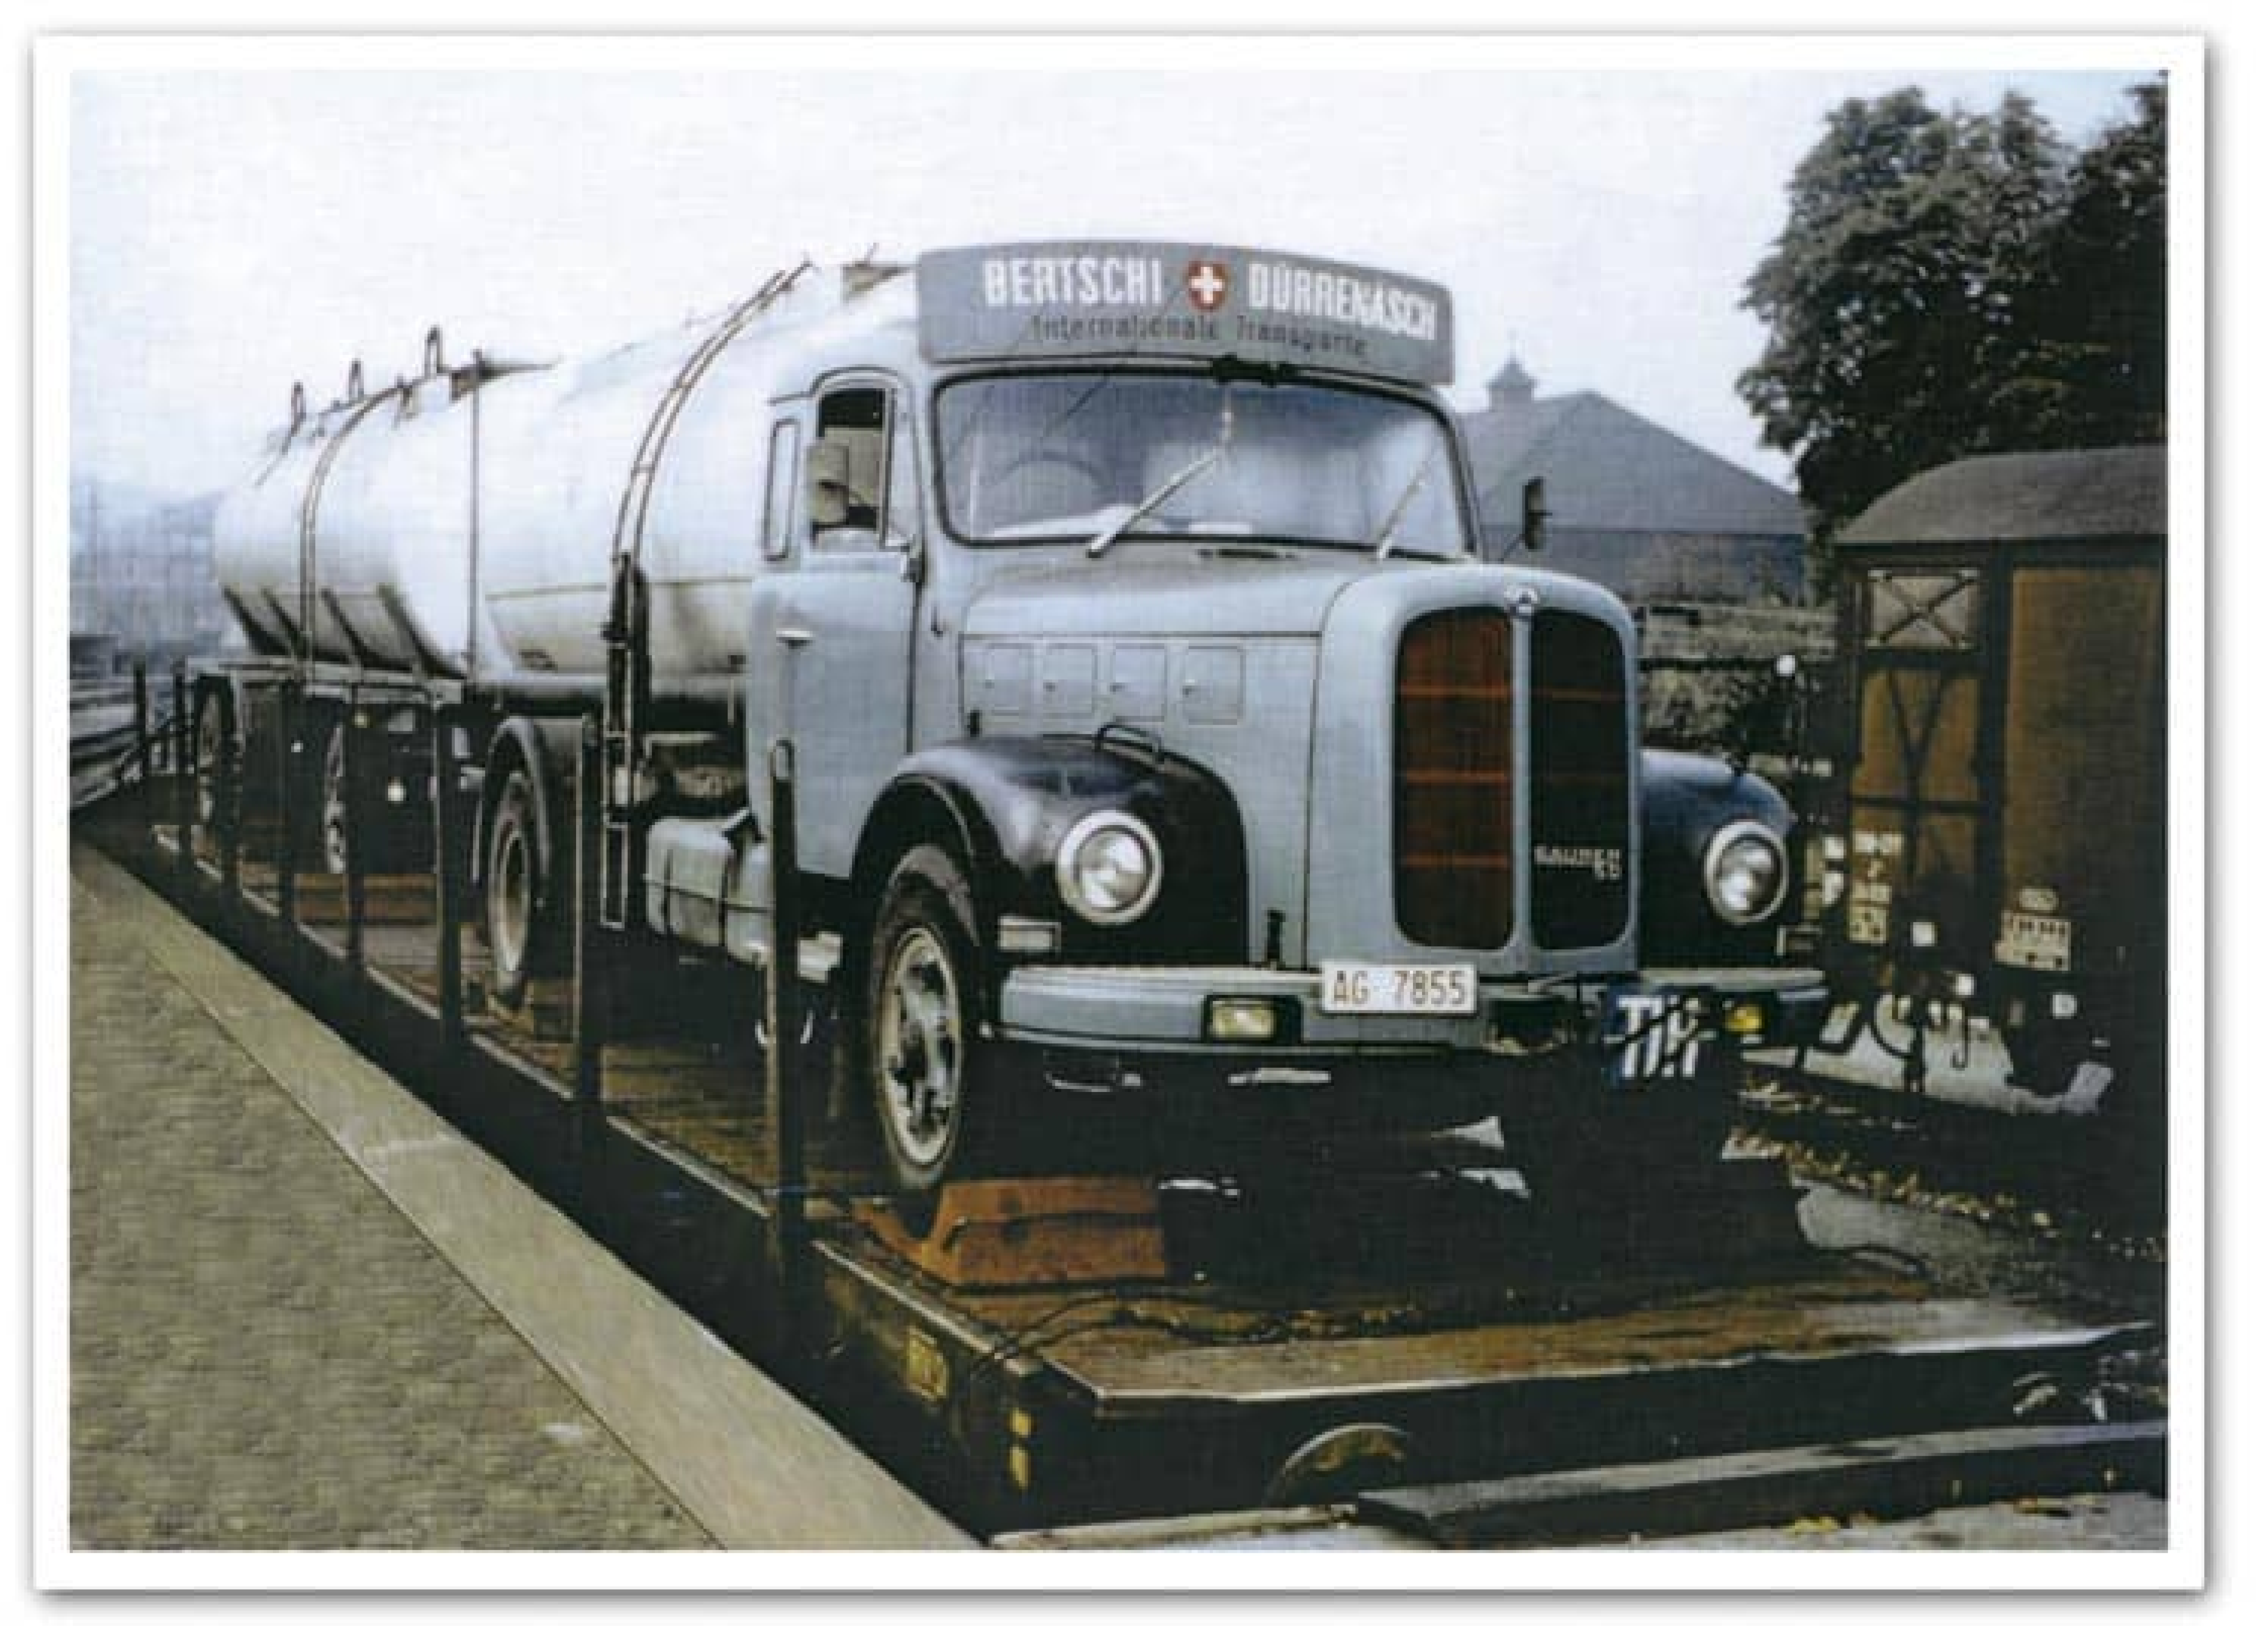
630,666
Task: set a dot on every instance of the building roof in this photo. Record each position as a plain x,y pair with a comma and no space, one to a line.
2029,496
1607,468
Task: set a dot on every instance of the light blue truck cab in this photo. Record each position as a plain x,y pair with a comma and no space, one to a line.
1161,732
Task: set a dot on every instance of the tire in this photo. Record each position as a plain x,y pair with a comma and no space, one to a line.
215,727
919,1048
331,803
516,915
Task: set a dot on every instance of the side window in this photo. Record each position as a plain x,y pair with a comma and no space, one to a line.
1921,609
779,490
861,471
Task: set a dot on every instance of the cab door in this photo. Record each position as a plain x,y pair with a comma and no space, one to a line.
832,623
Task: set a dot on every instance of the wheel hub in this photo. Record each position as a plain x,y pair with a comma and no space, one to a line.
920,1034
508,909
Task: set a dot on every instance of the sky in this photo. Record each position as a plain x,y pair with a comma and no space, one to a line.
232,232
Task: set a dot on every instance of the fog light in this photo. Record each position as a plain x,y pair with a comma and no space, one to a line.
1745,1018
1239,1020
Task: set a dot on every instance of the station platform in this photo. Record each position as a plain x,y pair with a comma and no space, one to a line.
307,1314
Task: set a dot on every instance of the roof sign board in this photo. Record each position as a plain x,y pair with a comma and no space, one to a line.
1085,296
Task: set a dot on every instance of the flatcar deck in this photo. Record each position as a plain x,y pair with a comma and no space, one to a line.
1405,1320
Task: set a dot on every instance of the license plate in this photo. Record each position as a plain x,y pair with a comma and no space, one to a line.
2028,941
1429,988
1655,1037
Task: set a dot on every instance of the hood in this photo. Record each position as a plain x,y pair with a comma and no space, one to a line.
1142,588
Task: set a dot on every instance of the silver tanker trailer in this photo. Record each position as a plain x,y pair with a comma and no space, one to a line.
1160,733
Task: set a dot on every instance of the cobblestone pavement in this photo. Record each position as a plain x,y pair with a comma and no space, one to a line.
265,1354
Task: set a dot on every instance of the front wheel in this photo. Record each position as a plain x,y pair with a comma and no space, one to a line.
920,1041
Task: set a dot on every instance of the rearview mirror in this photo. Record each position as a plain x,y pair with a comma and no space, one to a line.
826,484
1532,514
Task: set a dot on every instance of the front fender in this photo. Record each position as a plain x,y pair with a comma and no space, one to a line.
1004,804
1687,799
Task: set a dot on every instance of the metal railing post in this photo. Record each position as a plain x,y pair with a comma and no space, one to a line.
449,886
784,1115
185,791
589,963
353,758
144,766
226,819
287,803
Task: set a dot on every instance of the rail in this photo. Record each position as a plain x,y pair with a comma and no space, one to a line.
116,740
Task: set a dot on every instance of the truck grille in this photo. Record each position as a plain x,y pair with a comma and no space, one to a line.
1579,802
1452,813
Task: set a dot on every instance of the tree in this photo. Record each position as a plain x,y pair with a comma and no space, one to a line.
1942,288
2092,369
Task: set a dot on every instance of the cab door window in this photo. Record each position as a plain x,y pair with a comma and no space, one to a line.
860,489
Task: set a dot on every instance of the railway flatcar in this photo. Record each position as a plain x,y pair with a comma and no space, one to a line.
1995,893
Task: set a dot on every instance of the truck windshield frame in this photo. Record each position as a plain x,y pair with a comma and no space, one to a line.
1344,453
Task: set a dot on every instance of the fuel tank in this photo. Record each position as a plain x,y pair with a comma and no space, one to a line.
463,524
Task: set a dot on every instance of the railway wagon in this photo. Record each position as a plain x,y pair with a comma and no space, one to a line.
2001,870
1160,734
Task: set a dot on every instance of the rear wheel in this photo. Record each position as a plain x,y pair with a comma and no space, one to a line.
516,911
331,803
919,1038
216,728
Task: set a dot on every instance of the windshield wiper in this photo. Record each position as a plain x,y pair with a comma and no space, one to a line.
1385,544
1151,502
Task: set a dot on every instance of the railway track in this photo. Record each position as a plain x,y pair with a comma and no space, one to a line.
104,745
2068,1178
1386,1382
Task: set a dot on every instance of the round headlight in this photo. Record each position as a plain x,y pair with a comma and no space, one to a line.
1746,872
1109,868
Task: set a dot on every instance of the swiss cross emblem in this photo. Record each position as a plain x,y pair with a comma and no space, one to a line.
1208,285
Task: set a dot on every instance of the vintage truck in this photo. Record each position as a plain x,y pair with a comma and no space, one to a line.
1161,730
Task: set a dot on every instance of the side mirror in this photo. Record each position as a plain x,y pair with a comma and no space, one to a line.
826,484
1532,514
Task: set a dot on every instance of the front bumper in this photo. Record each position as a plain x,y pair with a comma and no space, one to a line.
1103,1028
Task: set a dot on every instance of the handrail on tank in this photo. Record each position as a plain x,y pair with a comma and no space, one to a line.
629,675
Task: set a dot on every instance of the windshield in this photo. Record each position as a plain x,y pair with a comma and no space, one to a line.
1073,456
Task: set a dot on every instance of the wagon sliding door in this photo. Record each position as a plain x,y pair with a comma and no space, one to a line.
1917,784
2085,814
